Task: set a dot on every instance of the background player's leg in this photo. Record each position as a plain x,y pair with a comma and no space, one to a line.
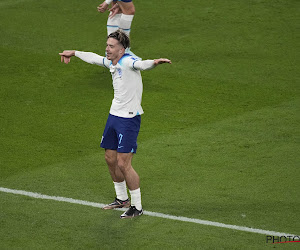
113,23
125,23
128,11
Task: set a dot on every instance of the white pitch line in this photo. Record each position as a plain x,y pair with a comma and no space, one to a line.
149,213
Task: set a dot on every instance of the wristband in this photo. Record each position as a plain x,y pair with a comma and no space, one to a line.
108,1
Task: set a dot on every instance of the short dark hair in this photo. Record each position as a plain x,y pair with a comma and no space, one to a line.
121,37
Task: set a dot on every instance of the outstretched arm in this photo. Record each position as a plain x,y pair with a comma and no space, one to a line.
88,57
149,64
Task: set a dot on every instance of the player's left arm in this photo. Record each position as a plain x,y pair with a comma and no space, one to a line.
149,64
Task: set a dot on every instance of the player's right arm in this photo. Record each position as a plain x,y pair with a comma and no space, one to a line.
88,57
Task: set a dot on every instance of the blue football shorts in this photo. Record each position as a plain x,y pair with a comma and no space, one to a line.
121,134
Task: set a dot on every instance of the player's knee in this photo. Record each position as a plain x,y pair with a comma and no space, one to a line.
110,158
123,165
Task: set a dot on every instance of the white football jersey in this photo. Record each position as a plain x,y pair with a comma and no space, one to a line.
127,81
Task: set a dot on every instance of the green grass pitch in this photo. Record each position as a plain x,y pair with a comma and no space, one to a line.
219,139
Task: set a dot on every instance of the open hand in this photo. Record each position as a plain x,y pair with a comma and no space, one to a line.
102,7
66,55
115,9
161,61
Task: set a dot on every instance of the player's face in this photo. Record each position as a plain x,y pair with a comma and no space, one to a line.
114,50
